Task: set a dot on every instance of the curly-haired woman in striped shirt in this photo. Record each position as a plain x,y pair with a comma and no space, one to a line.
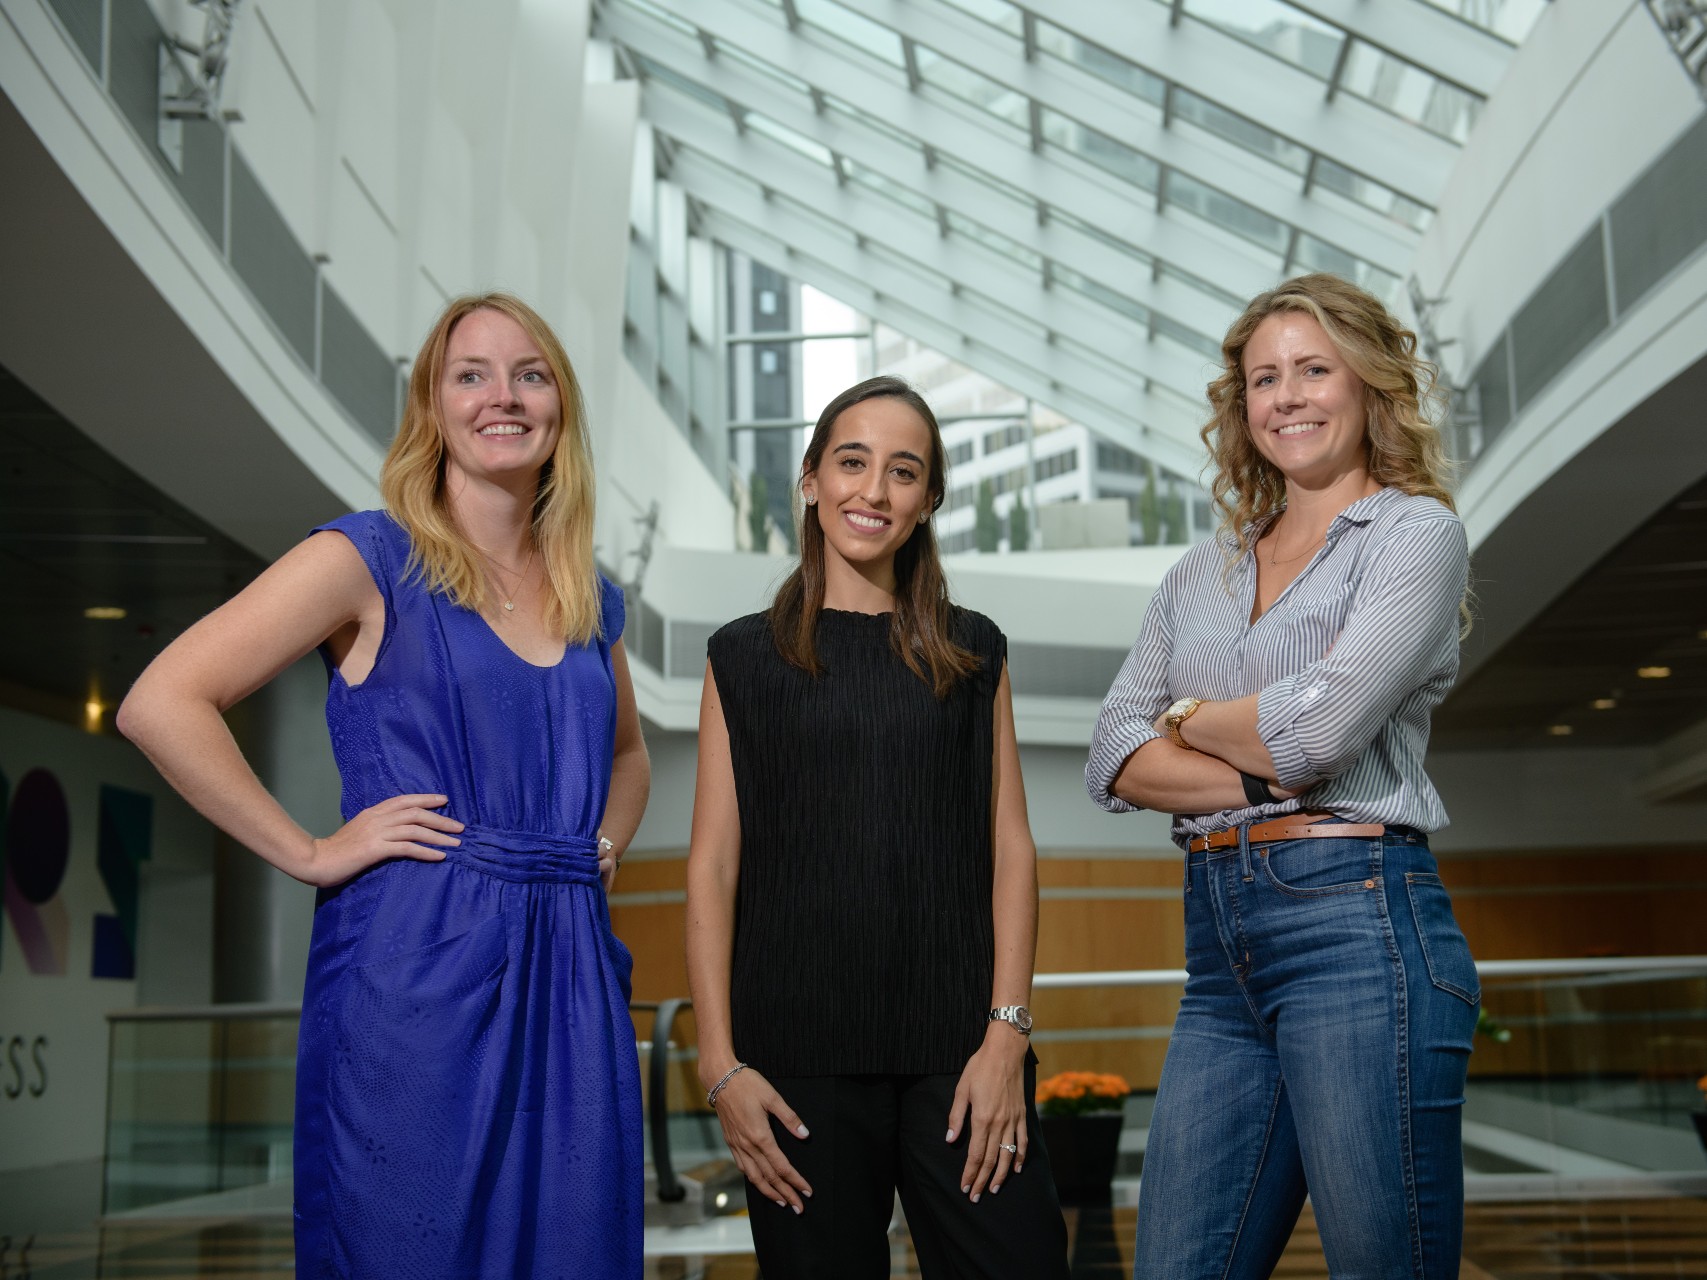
1277,702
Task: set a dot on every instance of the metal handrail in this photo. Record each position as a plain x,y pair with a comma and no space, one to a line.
1486,968
670,1189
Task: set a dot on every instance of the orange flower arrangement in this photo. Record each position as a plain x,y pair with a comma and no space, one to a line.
1077,1093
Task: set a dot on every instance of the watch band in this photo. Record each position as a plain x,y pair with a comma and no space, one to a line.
1177,715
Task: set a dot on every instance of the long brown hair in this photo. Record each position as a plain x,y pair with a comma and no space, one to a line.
412,481
1405,449
920,628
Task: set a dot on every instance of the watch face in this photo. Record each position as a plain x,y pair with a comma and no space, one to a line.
1022,1018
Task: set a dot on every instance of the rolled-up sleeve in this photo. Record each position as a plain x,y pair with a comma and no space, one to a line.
1139,694
1401,633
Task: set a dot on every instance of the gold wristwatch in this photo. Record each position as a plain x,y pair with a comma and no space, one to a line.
1177,715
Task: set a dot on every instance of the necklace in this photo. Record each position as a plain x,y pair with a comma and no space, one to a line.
1290,559
510,604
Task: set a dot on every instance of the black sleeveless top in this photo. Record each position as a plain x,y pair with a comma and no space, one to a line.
863,933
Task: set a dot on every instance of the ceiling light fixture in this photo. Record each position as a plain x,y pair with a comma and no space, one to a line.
1604,704
1559,730
104,612
1653,673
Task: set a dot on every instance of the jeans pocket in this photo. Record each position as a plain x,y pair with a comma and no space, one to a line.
1450,965
1320,867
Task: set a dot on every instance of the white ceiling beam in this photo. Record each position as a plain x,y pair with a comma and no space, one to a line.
1094,102
1363,137
935,318
951,188
1075,185
1124,340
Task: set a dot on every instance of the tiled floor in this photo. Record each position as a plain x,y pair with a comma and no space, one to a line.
1586,1240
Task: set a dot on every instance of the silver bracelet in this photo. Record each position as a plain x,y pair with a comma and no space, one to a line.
711,1093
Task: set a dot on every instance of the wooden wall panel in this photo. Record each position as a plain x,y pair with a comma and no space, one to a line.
1102,913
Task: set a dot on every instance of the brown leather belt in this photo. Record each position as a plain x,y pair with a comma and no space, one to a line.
1298,826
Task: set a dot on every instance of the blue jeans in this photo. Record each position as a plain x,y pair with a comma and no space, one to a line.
1321,1045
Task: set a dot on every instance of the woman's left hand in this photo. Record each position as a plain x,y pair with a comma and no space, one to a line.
608,863
991,1098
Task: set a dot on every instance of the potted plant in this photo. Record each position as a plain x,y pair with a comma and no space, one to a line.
1081,1113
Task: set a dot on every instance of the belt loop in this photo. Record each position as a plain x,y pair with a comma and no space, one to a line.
1245,852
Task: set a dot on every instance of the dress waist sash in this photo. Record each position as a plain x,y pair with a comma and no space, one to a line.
527,857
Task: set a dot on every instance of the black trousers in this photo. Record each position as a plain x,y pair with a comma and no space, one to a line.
874,1135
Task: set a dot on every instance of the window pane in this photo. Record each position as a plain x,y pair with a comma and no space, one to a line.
1100,293
797,142
1100,62
692,88
887,186
855,28
1000,14
1224,211
995,241
1276,29
737,54
972,86
1101,150
1240,131
1410,92
1372,195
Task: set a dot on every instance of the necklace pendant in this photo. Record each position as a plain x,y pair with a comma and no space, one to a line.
510,605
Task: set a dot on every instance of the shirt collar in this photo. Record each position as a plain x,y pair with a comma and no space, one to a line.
1363,511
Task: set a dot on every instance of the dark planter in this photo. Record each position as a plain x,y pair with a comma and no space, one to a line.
1083,1151
1700,1118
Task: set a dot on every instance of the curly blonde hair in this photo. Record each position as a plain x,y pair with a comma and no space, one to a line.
412,481
1400,397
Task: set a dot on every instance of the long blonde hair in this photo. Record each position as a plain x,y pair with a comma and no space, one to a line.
1405,448
413,483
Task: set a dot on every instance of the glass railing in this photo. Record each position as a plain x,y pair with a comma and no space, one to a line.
1583,1079
199,1106
1583,1082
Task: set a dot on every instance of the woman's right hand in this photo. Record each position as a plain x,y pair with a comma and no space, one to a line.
744,1107
401,827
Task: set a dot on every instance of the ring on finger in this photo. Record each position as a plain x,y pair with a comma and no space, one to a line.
1011,1147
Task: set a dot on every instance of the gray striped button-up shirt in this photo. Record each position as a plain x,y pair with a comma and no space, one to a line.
1348,664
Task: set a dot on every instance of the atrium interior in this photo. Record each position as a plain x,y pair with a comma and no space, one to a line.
225,226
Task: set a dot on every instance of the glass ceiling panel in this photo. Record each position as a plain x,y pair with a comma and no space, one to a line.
1098,292
1224,211
1317,255
1241,132
855,28
660,14
1101,150
996,185
1335,177
1100,62
971,86
797,142
1510,20
1275,28
1097,233
1409,92
1000,14
884,185
775,73
874,123
1030,259
681,84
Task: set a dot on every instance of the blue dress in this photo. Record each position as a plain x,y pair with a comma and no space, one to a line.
468,1093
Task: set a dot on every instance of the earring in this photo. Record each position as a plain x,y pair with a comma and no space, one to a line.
924,516
811,499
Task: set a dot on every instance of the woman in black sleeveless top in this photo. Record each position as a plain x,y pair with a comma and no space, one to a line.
862,888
